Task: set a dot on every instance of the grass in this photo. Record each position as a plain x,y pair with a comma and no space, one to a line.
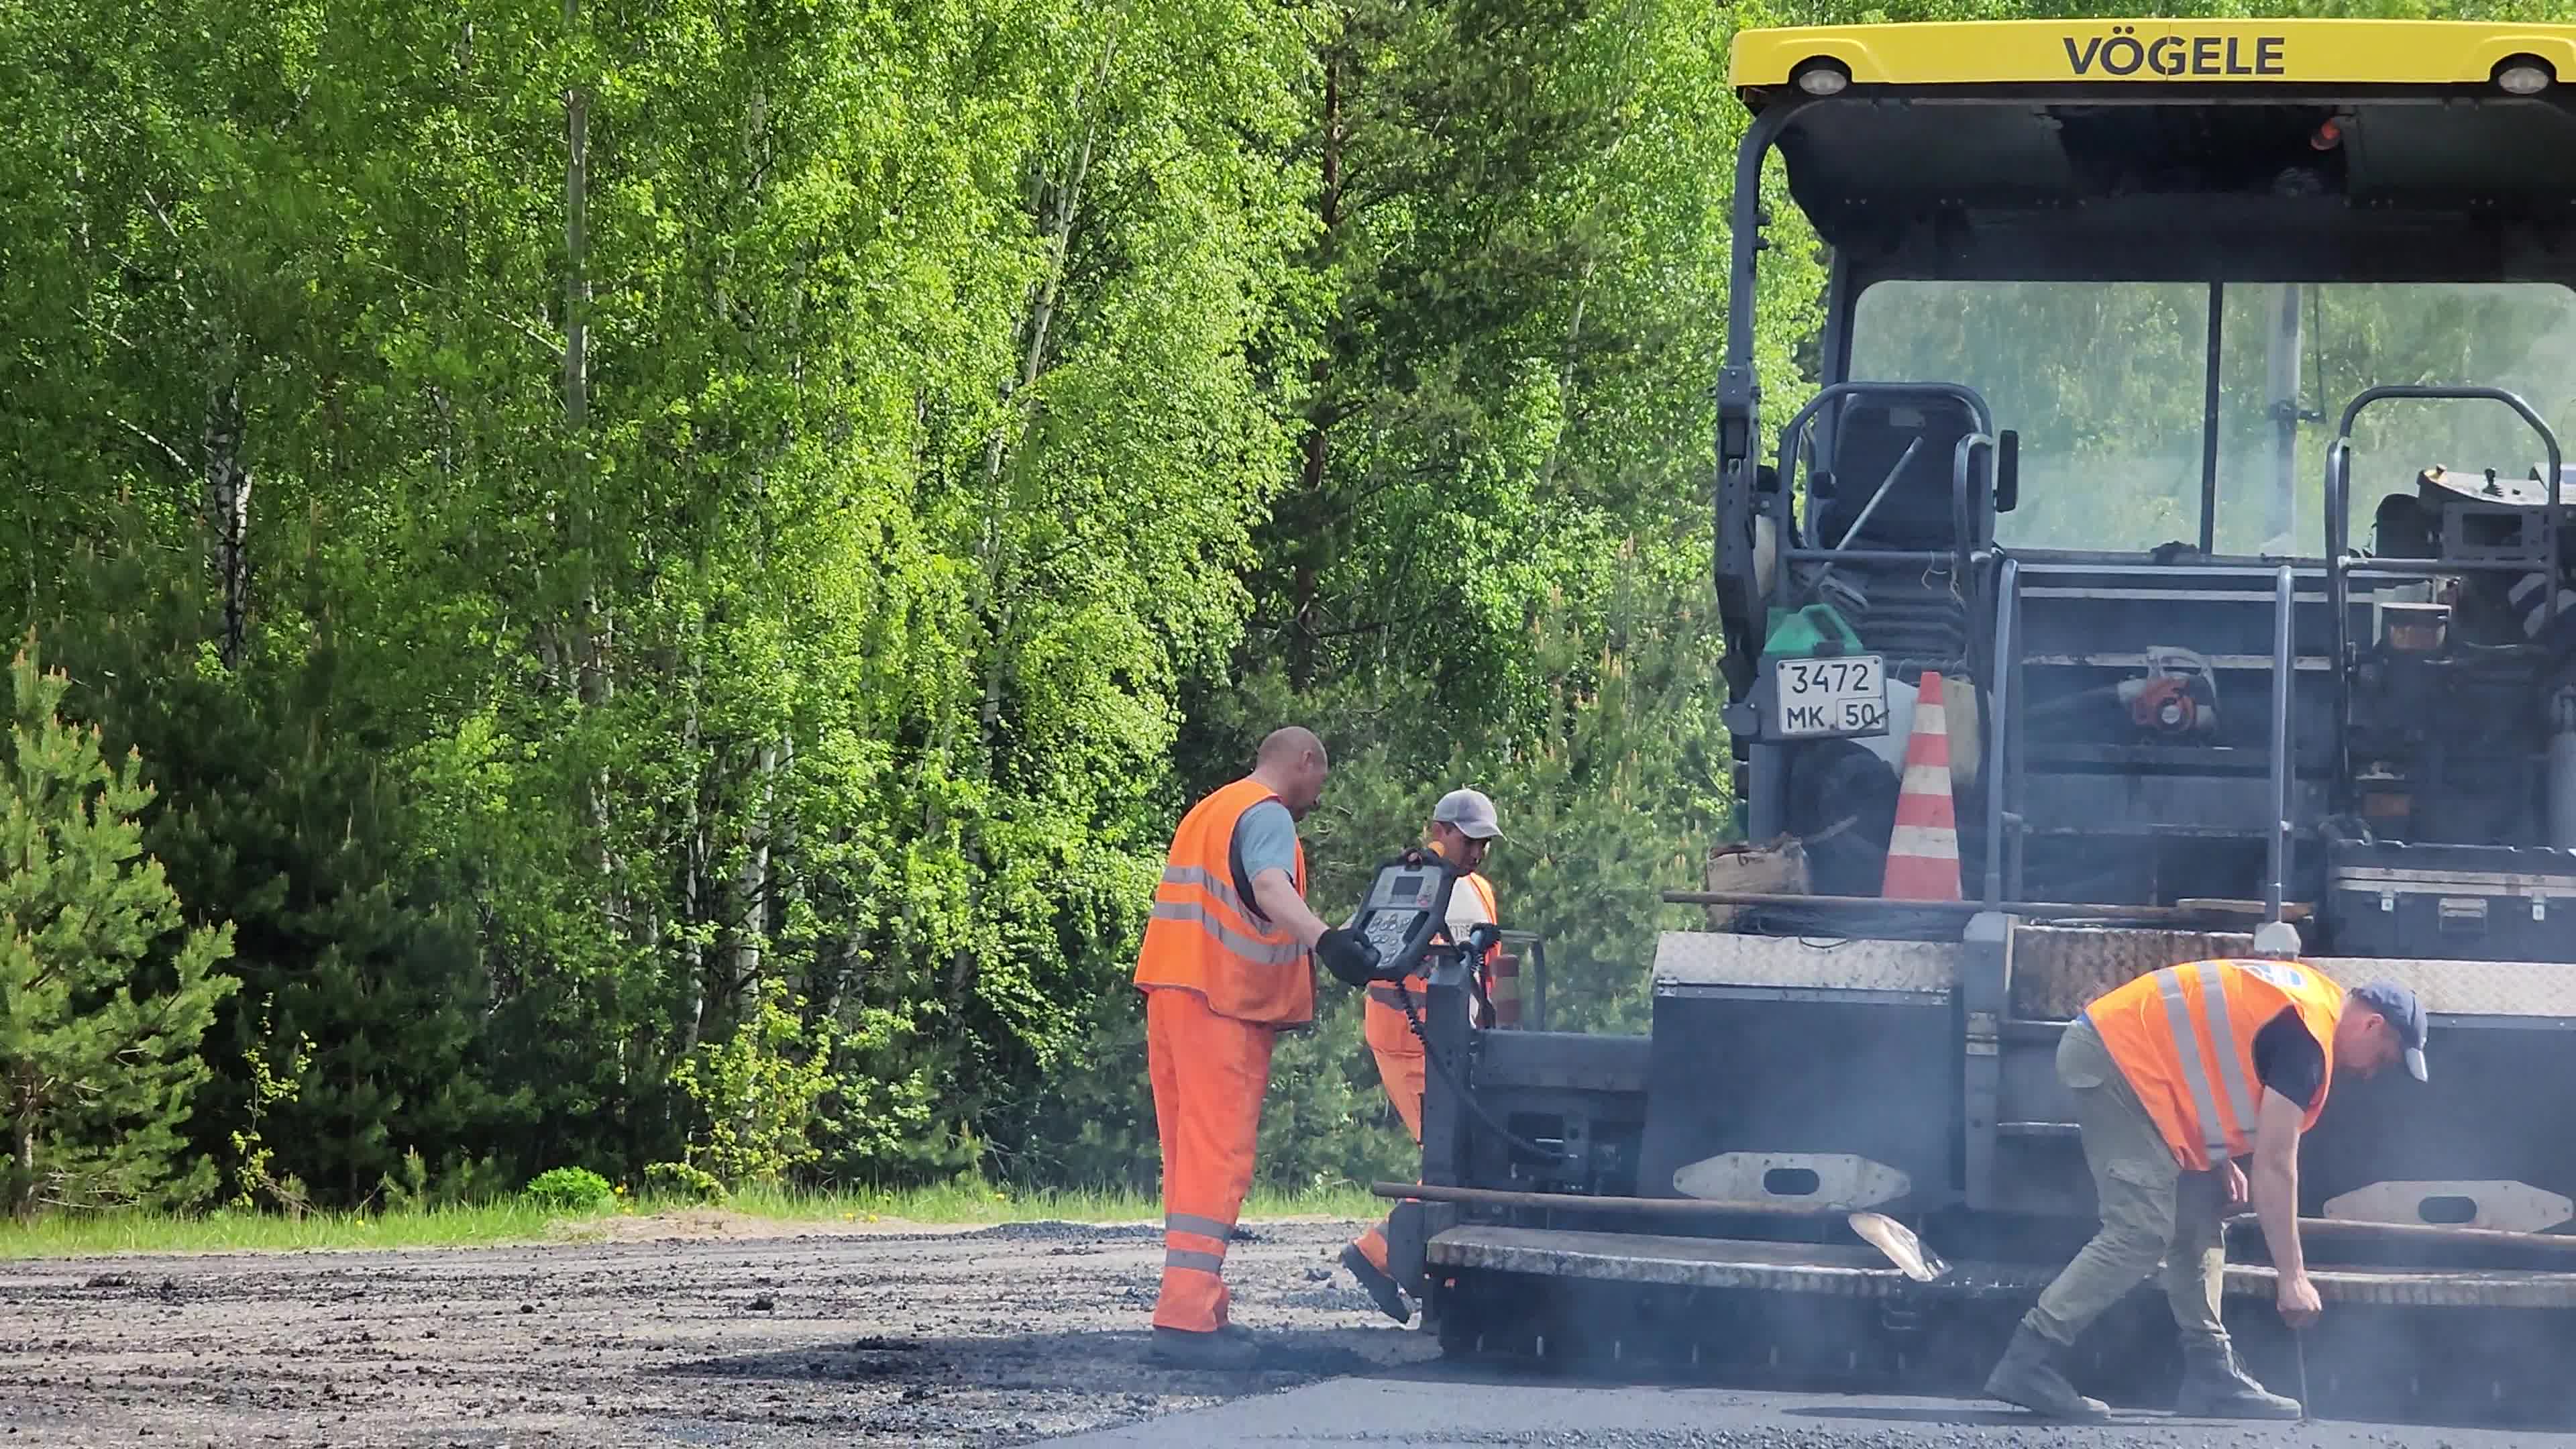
520,1221
980,1203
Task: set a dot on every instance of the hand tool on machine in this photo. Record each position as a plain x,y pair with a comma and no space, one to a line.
1899,1242
2299,1355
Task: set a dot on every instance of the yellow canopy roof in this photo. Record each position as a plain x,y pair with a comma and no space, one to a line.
2173,52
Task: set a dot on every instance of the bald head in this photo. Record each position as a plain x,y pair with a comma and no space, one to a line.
1289,745
1292,763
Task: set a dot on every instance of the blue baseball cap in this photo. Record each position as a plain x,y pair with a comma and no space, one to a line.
2403,1012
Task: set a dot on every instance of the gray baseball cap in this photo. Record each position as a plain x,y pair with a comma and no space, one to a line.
1471,812
2405,1013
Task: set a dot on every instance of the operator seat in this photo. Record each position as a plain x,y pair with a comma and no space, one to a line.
1869,435
2401,527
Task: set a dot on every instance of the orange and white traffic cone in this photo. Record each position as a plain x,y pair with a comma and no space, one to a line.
1923,850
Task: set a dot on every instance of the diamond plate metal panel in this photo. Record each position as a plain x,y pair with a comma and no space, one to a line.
2467,988
1706,958
2056,970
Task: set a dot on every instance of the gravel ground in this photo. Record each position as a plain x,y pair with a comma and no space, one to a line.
888,1337
694,1331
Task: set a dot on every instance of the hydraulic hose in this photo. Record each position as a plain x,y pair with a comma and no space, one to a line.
1449,1074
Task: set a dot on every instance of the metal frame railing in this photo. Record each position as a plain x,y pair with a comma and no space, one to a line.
2000,775
1971,516
2003,770
2340,570
2285,663
2003,774
1532,949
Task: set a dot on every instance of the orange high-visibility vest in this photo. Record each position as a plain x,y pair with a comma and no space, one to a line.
2184,1037
1385,998
1207,935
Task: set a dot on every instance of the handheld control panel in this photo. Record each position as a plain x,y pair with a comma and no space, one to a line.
1406,906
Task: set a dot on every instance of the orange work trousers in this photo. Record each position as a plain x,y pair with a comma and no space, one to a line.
1210,1073
1400,1066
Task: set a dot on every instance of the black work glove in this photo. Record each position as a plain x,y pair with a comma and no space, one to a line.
1348,955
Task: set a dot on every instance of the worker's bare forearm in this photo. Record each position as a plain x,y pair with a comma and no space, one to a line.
2275,1180
1280,904
2275,1184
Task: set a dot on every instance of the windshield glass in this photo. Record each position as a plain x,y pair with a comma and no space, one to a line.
2106,384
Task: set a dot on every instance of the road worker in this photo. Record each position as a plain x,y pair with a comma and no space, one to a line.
1463,828
2167,1073
1226,965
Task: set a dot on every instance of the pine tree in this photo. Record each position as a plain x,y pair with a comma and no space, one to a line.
275,799
105,993
275,809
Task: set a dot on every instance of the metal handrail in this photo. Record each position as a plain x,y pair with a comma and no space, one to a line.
1971,509
2284,661
2339,570
2007,657
1533,975
1786,467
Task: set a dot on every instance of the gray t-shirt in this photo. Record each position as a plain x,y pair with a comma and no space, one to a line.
1265,838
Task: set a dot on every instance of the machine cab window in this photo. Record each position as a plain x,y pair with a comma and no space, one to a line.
2139,404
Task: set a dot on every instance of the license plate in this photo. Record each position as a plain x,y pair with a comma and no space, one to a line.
1842,697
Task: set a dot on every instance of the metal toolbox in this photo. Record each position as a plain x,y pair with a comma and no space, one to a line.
2451,902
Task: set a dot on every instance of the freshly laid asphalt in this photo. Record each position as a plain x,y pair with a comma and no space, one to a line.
1433,1407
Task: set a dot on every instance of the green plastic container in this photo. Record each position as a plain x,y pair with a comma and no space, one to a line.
1806,633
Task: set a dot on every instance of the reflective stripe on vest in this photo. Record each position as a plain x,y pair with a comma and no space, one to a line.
2195,1070
1202,934
1251,948
2184,1038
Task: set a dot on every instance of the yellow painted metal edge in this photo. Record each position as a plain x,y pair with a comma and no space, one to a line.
2195,52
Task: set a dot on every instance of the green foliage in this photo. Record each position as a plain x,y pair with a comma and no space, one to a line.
269,1086
757,1093
462,1181
406,1188
819,568
688,1183
570,1190
105,990
688,664
278,805
514,1219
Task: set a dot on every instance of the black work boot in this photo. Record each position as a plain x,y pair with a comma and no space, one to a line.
2029,1376
1227,1348
2216,1386
1381,1288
